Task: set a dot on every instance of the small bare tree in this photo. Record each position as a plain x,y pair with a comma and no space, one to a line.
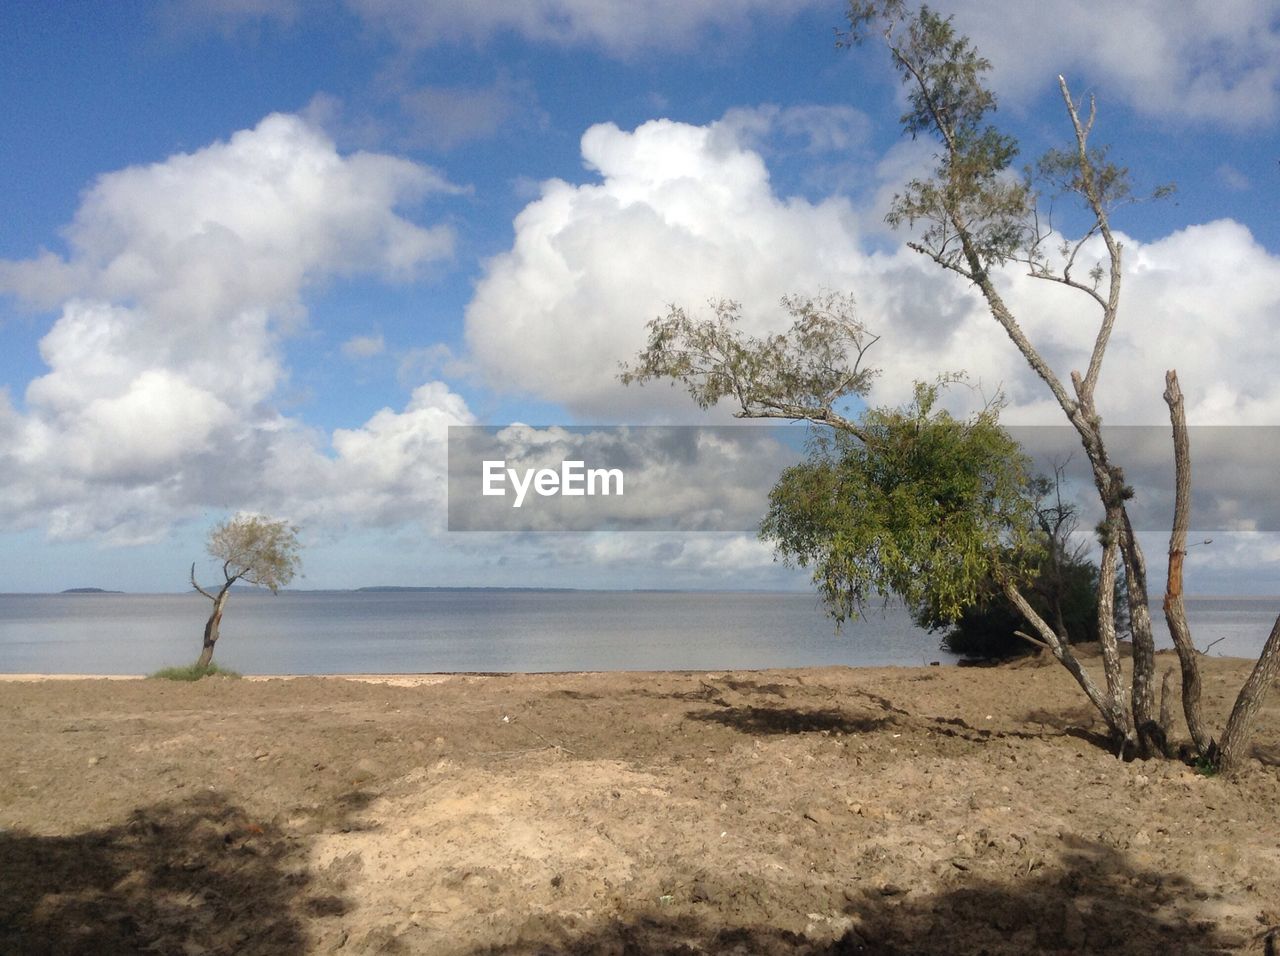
252,548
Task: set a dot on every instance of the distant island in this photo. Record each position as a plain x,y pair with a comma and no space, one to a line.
384,588
90,591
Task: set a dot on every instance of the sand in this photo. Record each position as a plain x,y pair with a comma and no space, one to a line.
906,810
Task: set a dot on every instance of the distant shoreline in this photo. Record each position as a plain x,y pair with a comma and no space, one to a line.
487,589
416,678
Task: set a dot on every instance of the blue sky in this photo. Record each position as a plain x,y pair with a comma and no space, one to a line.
261,253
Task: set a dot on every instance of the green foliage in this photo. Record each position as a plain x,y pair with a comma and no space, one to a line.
924,506
815,363
974,211
1207,766
193,672
256,549
1062,590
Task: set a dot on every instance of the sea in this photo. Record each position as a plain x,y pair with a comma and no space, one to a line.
503,631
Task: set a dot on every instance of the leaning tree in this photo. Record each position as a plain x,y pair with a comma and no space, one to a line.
973,216
910,502
252,548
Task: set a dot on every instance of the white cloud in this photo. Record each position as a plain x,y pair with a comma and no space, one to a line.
1197,60
820,128
1202,300
681,214
180,281
1210,60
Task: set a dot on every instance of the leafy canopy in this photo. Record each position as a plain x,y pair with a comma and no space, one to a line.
798,374
921,505
972,207
976,211
257,549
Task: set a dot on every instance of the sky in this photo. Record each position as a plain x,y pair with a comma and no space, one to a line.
261,254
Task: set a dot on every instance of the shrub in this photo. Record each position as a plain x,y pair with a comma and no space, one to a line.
193,672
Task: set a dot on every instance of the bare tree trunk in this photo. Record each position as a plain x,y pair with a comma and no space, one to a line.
1174,609
1111,666
211,628
1151,739
1109,480
1235,739
212,625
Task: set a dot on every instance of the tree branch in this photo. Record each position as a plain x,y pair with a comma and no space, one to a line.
1062,651
1027,637
800,413
195,585
1094,197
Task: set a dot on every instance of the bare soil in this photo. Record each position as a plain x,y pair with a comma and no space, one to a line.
926,810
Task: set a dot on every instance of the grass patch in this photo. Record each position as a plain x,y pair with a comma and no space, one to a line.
192,672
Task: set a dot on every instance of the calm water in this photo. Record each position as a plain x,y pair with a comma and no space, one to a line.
343,632
326,632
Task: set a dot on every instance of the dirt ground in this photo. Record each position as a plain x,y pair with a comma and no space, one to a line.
925,810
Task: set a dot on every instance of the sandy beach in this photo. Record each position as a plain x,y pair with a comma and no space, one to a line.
910,810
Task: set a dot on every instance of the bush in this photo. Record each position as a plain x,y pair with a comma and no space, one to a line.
1065,594
193,672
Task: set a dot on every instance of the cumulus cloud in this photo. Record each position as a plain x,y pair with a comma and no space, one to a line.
1197,60
180,281
681,214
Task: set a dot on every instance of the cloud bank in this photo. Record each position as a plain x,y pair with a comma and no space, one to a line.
180,281
680,214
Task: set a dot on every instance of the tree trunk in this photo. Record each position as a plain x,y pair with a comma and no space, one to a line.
1109,480
1151,739
211,627
1174,609
1111,666
1235,739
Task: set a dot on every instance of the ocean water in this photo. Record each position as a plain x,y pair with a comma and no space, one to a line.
328,632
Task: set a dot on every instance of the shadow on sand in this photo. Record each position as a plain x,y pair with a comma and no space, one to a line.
1093,900
198,876
790,720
